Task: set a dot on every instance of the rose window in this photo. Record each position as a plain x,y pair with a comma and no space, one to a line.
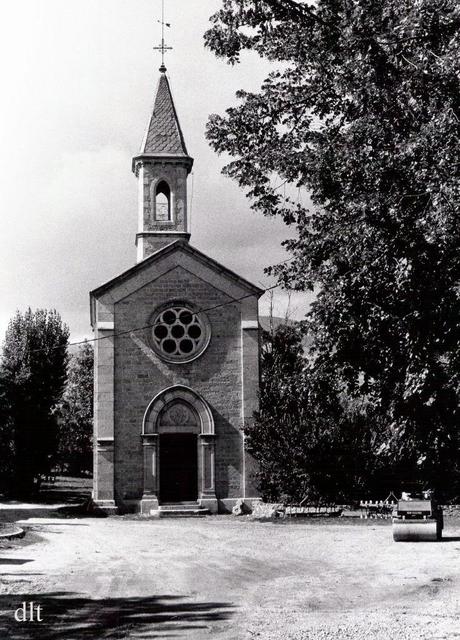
179,334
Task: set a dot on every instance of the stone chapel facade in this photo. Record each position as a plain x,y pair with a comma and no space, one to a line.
177,373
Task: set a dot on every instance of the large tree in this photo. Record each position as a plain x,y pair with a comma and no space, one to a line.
308,439
362,110
75,413
34,372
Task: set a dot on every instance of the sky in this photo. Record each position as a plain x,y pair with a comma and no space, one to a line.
78,82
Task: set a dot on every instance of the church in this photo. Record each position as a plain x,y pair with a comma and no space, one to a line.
176,353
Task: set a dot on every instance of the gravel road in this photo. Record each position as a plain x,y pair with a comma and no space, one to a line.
231,579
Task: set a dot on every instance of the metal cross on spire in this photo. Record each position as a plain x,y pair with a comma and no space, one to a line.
163,47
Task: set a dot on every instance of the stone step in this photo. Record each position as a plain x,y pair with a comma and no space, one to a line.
180,505
182,510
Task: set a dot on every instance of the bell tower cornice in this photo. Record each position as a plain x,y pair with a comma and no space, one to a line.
152,158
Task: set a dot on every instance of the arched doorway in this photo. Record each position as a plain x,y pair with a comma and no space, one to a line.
178,427
179,450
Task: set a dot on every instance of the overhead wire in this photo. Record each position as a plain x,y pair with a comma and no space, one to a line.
150,325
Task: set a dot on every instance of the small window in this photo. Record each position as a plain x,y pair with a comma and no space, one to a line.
163,202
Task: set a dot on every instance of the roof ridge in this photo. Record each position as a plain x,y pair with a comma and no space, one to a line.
188,247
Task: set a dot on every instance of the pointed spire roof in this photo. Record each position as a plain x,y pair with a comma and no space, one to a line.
164,135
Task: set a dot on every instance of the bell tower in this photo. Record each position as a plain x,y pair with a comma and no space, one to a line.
162,168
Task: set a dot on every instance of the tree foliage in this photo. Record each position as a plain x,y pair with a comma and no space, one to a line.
309,442
363,112
6,437
33,372
75,414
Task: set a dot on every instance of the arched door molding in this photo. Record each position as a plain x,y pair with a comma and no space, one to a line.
152,426
172,394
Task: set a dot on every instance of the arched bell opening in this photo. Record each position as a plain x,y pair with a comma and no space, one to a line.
163,202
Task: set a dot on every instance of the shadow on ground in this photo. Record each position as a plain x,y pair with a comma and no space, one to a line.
447,538
62,490
69,616
65,490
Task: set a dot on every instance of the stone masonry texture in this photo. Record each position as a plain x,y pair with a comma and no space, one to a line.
140,375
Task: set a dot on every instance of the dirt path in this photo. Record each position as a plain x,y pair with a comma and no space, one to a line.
229,579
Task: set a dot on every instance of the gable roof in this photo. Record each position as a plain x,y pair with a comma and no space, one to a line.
177,245
164,134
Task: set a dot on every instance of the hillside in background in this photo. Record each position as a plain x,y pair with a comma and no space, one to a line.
266,322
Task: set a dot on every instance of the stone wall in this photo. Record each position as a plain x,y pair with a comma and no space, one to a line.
140,375
176,177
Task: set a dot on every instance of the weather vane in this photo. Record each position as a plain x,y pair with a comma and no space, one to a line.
162,47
